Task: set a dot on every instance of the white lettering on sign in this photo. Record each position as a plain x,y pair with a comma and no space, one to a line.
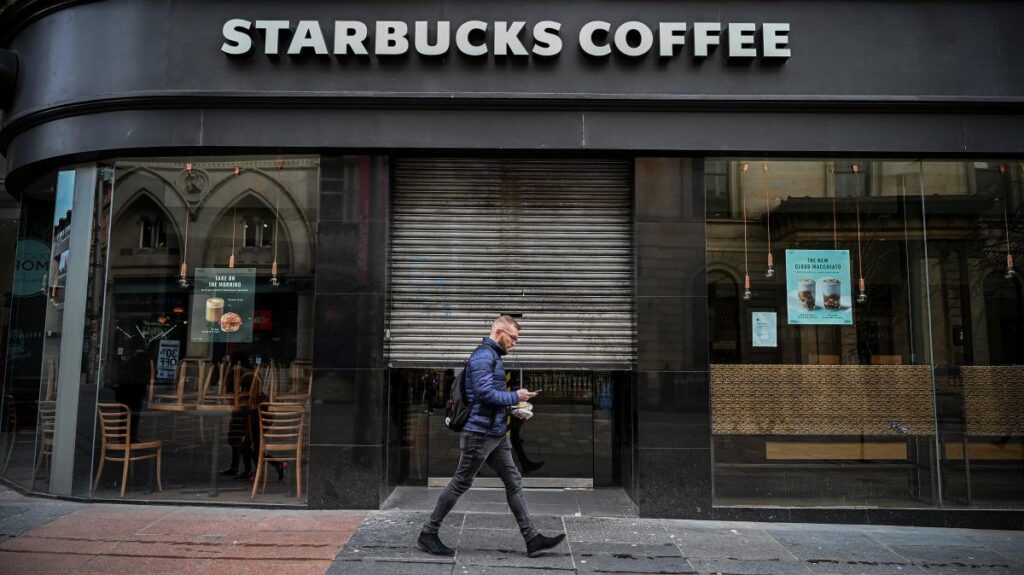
442,42
167,359
503,38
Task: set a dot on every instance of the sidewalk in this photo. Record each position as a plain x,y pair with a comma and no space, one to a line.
47,536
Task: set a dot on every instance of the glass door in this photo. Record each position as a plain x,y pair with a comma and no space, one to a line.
570,442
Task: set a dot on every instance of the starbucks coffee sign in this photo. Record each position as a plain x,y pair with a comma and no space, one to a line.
516,39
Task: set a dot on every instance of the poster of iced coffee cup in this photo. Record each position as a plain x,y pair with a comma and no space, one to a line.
222,305
818,287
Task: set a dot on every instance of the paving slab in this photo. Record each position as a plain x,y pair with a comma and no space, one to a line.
745,567
614,530
841,551
491,539
726,542
953,560
493,570
380,567
559,558
629,558
920,536
149,539
998,541
506,521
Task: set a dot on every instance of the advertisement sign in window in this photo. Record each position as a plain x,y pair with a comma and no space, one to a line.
818,287
765,328
167,360
222,305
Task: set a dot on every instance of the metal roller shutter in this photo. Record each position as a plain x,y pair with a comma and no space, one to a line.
548,239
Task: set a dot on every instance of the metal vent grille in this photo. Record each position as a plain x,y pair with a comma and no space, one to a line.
548,239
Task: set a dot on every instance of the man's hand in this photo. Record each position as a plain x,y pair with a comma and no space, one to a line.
525,394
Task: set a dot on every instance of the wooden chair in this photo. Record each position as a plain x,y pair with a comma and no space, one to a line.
218,399
47,425
886,360
280,440
248,388
52,371
299,381
186,390
115,427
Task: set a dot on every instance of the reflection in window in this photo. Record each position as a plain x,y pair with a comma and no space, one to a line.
203,352
152,233
717,183
850,402
820,399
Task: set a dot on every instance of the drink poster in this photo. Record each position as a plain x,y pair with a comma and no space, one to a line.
765,329
222,305
818,290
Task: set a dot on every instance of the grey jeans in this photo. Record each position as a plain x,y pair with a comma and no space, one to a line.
497,452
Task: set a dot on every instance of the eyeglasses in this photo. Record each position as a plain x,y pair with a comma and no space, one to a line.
515,338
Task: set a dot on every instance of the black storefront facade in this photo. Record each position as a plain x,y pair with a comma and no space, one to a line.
649,186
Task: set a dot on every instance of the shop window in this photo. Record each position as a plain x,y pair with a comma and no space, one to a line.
976,242
822,385
201,340
864,355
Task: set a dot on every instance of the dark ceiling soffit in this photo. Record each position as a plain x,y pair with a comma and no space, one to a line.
8,76
803,104
16,14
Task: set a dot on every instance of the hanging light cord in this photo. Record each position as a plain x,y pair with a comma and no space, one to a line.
767,206
234,222
860,256
274,280
1010,272
277,217
835,192
746,263
184,252
743,201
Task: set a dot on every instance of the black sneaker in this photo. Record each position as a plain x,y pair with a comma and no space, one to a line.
541,543
431,543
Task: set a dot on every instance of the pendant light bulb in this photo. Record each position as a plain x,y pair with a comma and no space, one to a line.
770,272
746,288
183,278
274,280
862,297
1011,272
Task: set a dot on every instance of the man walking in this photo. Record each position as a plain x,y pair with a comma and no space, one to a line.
483,440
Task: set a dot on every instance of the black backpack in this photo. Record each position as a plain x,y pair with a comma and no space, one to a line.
456,411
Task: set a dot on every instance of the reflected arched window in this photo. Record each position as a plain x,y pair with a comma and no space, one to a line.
152,232
724,317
